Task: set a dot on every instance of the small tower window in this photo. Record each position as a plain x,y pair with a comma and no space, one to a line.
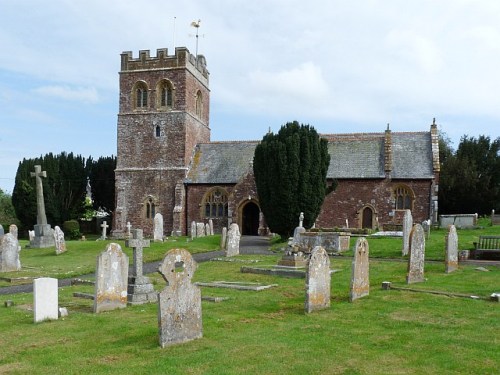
158,131
199,104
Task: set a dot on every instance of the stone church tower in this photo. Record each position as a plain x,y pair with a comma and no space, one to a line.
163,115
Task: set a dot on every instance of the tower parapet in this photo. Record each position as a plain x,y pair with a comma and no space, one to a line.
181,59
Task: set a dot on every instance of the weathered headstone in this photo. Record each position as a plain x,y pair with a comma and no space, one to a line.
407,226
179,312
45,299
451,256
193,230
140,289
426,225
104,227
9,253
2,232
207,229
111,279
59,240
211,226
416,255
233,240
223,239
14,231
318,281
200,230
360,277
129,227
43,231
158,228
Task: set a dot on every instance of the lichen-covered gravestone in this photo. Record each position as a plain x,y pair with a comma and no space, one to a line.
200,230
45,299
233,240
59,240
111,279
318,281
223,239
416,255
451,257
14,231
158,228
9,253
407,226
193,230
360,278
179,303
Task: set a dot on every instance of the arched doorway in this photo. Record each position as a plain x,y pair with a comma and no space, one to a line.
367,218
250,219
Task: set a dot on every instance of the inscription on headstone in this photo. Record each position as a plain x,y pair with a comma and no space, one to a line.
407,226
360,277
451,243
111,279
179,312
233,240
318,281
416,255
158,228
45,299
59,240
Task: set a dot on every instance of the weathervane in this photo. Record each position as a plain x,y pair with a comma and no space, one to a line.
197,25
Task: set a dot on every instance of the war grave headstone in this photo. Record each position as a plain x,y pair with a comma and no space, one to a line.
318,281
233,240
407,226
179,303
140,289
111,279
9,253
451,253
360,277
416,255
45,299
223,239
193,230
200,230
59,241
43,231
158,228
104,227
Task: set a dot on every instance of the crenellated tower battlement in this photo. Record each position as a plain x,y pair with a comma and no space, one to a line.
181,59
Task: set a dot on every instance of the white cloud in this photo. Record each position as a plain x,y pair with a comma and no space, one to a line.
88,95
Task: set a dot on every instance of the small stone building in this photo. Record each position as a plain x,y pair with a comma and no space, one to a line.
167,163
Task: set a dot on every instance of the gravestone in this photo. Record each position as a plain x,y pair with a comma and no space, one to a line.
111,279
193,230
140,289
43,231
416,255
207,229
233,240
426,225
318,281
45,299
211,226
451,256
407,226
31,235
360,277
200,230
2,232
104,227
223,239
158,228
129,227
179,312
59,240
14,231
9,253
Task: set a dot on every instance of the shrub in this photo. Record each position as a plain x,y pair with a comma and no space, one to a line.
72,229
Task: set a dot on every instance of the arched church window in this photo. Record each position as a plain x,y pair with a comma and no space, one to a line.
403,198
165,93
141,95
215,203
150,208
158,131
199,104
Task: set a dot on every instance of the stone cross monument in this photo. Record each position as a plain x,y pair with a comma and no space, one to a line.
43,232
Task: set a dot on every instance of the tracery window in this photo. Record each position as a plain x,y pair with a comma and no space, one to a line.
150,208
165,92
215,203
141,95
403,198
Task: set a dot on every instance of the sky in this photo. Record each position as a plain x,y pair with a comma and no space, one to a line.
341,66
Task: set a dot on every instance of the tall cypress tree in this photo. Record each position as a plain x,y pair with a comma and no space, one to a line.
290,173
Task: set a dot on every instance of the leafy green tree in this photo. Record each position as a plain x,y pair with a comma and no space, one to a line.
7,212
290,173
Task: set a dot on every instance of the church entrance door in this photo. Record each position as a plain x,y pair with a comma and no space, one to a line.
367,218
250,219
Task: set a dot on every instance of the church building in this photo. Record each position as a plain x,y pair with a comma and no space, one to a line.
167,163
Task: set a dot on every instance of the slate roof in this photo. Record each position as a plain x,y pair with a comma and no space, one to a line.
353,156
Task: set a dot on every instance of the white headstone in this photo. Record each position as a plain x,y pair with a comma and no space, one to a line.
9,253
31,235
193,230
59,240
211,226
233,240
104,227
45,299
158,228
129,227
207,229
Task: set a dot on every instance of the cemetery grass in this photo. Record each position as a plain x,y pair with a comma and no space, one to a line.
267,332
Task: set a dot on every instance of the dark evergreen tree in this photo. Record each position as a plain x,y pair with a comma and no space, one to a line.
102,182
290,173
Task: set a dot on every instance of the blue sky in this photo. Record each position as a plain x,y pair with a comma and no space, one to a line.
341,66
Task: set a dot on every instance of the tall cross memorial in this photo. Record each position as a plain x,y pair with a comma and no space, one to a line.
43,232
140,289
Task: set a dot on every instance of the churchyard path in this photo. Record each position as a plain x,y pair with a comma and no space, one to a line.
248,245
